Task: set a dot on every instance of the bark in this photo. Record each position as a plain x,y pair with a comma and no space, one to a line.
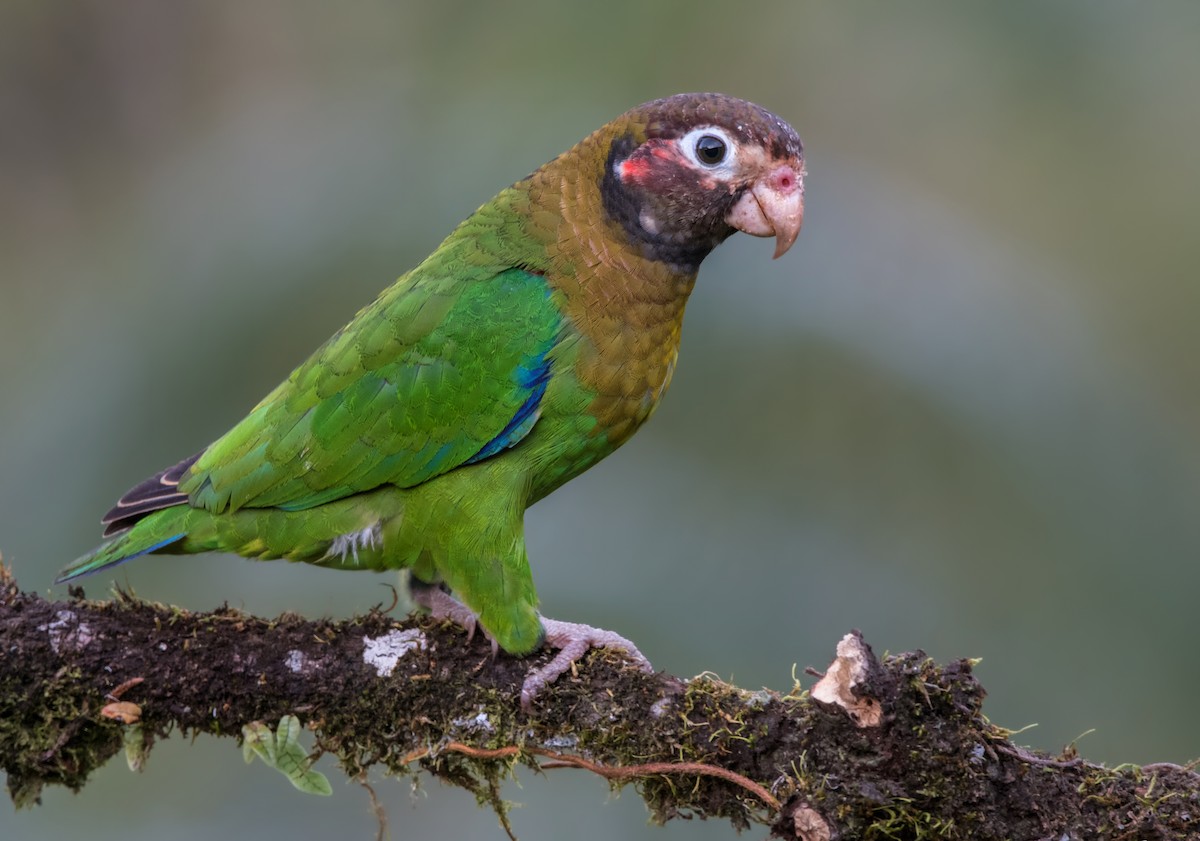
891,749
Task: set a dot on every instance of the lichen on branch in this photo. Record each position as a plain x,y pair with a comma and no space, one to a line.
897,748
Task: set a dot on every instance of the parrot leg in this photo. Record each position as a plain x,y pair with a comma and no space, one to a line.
443,606
573,641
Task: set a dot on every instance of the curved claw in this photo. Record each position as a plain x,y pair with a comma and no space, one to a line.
573,641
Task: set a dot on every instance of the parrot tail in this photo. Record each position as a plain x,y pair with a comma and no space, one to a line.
142,539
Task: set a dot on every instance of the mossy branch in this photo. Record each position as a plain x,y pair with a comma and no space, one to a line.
897,749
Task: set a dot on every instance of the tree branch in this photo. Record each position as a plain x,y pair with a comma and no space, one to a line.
898,749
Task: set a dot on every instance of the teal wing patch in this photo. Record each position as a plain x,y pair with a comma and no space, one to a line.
434,374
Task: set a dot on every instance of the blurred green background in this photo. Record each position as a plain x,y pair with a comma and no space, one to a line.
960,415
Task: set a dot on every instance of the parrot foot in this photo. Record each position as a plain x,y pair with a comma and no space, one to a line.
573,641
570,639
444,607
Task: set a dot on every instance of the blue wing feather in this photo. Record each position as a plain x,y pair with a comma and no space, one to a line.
533,377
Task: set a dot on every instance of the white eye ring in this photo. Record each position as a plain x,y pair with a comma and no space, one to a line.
687,144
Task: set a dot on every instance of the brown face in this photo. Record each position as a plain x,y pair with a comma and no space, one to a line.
709,165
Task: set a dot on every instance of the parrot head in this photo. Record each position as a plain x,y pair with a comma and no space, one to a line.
684,173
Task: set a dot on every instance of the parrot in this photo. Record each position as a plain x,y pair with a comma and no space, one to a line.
533,342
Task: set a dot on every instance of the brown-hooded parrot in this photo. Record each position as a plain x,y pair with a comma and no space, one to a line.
529,345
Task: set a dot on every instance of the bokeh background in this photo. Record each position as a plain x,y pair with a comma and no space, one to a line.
960,415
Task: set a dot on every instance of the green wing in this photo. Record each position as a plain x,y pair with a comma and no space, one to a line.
438,372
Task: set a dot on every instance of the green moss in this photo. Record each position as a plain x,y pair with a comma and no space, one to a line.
53,734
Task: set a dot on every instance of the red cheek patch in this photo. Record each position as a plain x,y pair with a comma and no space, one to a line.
635,169
641,167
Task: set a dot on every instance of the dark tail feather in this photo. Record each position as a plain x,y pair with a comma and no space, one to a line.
154,494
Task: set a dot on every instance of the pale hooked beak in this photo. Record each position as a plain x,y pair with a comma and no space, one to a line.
772,207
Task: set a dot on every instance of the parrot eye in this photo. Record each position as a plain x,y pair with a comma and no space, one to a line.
710,149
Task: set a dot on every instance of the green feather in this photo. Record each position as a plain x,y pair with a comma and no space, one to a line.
340,425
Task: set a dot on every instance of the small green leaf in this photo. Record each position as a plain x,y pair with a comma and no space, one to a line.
282,751
136,749
257,739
